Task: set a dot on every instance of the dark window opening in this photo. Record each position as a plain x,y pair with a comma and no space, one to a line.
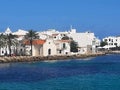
49,51
60,51
64,45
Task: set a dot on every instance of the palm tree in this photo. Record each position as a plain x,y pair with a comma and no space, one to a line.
2,42
7,40
15,43
31,35
11,39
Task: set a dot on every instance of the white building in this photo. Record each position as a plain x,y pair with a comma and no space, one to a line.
52,33
87,41
112,42
20,33
8,31
48,47
63,47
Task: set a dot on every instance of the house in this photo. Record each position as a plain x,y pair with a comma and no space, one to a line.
63,47
112,42
20,34
87,42
41,47
48,47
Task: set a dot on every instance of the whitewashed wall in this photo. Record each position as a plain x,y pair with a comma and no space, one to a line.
49,44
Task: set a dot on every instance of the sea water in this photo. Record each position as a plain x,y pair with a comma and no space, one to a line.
96,73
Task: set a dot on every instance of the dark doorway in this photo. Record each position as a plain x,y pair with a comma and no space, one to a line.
49,51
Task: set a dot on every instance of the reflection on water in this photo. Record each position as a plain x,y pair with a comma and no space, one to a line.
4,65
50,61
90,58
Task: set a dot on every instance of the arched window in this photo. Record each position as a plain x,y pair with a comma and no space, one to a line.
60,51
64,45
49,51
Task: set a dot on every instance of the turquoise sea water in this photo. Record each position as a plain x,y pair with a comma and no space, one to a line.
97,73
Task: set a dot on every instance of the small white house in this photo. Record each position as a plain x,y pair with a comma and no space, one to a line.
49,48
20,34
112,42
63,47
41,47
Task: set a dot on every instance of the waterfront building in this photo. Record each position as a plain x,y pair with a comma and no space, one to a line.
48,47
63,47
87,42
112,42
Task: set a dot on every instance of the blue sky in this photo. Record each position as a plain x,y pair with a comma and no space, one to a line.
99,16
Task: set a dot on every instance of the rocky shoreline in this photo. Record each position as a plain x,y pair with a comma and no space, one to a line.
41,58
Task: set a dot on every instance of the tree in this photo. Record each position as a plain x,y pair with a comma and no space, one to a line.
65,38
15,43
31,35
103,43
2,42
11,41
73,46
7,41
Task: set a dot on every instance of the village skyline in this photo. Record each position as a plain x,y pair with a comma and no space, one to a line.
58,30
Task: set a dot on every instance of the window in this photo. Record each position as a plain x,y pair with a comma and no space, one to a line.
112,40
115,44
91,49
64,45
60,51
109,39
66,53
49,51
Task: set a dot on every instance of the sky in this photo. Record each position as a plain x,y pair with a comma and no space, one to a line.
99,16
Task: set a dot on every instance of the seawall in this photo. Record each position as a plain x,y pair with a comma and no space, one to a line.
42,58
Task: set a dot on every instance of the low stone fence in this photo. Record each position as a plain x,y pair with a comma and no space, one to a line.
42,58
